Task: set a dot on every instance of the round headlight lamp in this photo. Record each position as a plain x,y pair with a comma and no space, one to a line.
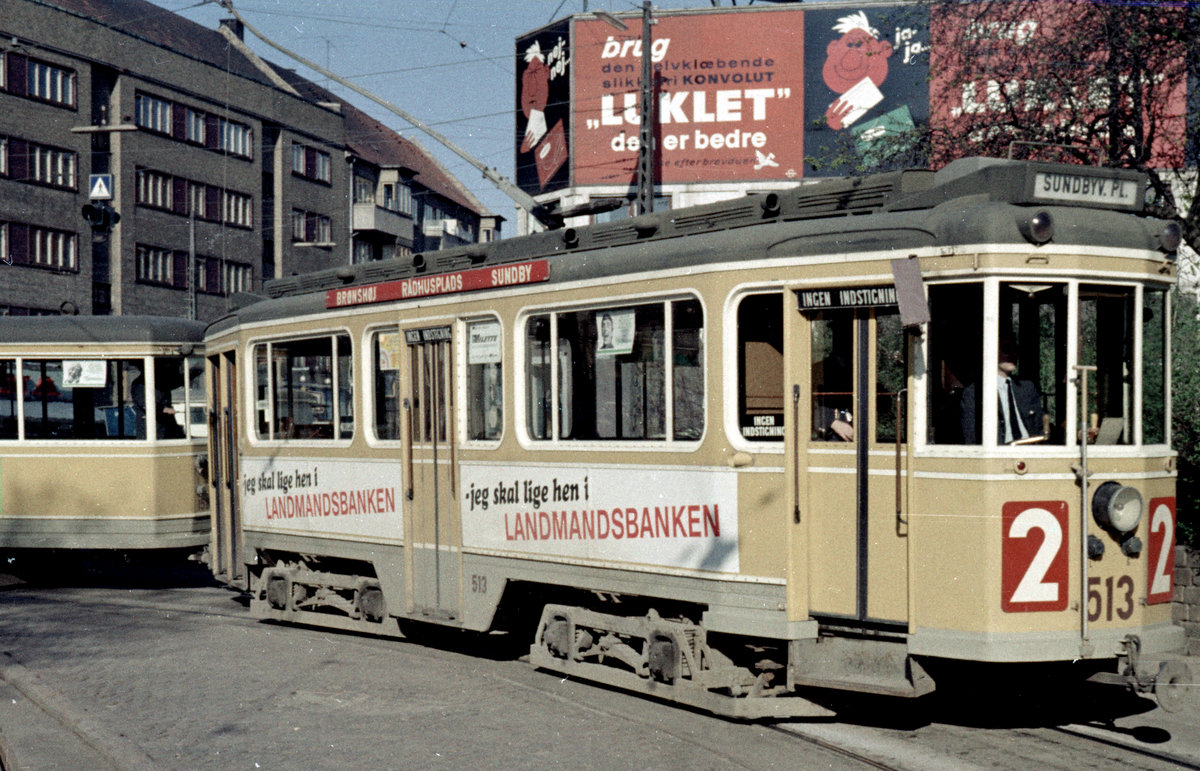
1037,228
1117,507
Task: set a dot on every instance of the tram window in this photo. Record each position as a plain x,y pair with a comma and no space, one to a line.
1033,332
8,399
485,381
891,367
386,346
1154,366
687,364
537,376
1106,342
760,367
955,361
832,376
310,391
81,399
345,388
613,370
169,402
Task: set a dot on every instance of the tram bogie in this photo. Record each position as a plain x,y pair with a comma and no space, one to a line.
839,439
98,448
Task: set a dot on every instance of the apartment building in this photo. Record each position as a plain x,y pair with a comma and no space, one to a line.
222,169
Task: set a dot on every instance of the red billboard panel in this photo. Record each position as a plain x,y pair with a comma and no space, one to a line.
729,98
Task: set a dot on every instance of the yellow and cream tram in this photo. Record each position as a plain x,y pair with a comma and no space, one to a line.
102,433
728,453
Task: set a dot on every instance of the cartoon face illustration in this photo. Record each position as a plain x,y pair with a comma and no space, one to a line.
857,54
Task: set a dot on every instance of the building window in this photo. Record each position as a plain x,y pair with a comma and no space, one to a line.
153,189
194,126
152,113
52,248
51,83
236,208
364,189
298,224
362,252
309,227
198,199
234,138
155,265
3,151
4,255
323,234
51,166
310,163
236,277
397,197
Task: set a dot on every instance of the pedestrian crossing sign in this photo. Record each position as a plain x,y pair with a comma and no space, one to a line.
100,187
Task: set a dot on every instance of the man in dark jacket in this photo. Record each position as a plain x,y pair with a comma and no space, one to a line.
1016,398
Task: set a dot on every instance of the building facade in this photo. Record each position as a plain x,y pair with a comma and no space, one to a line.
222,170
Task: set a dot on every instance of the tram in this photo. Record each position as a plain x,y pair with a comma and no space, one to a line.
102,434
729,454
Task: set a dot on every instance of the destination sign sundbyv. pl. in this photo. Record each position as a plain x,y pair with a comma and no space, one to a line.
441,283
1084,188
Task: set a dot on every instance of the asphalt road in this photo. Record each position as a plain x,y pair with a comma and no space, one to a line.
164,676
128,669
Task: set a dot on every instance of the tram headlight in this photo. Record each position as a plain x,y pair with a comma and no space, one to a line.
1038,229
1170,237
1117,507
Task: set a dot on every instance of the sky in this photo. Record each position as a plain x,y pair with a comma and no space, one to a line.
449,63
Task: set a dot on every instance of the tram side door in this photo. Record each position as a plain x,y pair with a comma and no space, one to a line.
852,369
226,545
435,525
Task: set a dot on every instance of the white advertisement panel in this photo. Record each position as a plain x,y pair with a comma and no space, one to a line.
323,496
676,518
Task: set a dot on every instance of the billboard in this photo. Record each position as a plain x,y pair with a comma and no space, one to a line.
543,92
744,95
729,99
873,81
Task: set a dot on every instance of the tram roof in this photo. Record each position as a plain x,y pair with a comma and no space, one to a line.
100,329
908,209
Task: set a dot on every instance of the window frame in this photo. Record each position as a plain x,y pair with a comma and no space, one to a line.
667,301
731,368
1070,414
251,413
466,382
63,91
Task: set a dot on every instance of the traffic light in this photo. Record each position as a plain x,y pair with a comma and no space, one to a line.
101,216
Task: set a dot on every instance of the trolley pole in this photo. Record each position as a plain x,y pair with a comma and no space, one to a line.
645,167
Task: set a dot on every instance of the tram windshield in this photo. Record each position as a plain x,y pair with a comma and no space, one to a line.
1019,384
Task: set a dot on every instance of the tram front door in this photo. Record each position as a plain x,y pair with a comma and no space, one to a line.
435,526
227,552
853,366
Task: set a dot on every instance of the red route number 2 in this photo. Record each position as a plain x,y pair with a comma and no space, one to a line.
1160,563
1034,548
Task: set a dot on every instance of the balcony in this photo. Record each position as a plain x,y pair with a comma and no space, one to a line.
368,216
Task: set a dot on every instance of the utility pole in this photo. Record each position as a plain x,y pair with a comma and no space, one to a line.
645,160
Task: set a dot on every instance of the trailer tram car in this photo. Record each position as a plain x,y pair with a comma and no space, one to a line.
727,454
102,435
